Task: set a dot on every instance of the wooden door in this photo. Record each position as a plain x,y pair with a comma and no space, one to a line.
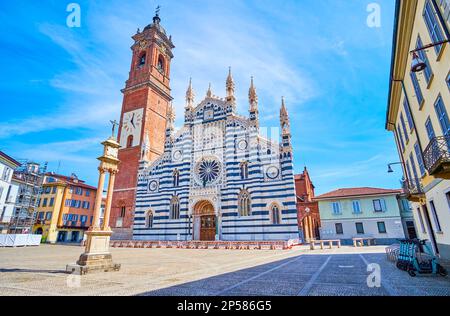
208,228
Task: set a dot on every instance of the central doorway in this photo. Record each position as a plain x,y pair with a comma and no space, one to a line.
205,227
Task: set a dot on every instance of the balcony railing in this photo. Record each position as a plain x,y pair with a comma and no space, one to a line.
413,189
437,157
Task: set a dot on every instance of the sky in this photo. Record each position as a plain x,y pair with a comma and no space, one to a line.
60,86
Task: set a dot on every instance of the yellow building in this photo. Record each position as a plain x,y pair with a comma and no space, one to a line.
418,113
65,209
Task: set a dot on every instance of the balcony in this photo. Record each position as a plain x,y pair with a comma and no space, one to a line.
413,189
437,157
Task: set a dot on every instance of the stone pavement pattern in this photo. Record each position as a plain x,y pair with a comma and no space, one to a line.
184,272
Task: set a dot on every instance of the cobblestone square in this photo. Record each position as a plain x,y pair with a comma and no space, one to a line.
176,272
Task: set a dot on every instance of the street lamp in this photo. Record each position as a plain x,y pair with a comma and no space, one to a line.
417,64
390,170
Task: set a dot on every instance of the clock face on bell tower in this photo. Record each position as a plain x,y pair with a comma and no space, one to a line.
146,99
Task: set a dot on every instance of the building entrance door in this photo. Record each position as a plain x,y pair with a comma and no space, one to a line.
205,227
208,228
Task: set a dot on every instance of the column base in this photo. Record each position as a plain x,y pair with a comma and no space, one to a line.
97,257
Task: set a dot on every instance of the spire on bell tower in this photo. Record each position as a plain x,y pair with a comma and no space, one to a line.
253,100
156,18
230,88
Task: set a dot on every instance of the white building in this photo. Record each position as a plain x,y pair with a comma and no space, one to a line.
8,190
219,178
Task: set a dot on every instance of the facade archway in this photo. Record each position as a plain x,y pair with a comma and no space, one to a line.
205,222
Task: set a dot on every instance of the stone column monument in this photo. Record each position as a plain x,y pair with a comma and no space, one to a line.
97,256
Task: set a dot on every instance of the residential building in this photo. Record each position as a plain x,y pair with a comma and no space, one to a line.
418,114
407,216
361,212
65,209
29,178
308,215
8,190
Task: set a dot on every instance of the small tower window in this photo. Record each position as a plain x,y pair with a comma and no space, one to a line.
244,170
149,220
142,60
175,208
130,141
275,214
244,203
176,178
160,65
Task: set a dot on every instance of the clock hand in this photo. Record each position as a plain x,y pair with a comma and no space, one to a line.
132,121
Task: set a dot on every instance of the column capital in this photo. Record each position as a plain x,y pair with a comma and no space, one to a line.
102,170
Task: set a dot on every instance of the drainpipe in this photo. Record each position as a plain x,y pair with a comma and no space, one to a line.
441,19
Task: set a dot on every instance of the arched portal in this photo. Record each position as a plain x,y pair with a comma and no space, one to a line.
205,224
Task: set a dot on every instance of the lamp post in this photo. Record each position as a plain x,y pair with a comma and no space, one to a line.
390,170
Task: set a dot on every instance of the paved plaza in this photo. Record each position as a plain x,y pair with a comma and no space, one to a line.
185,272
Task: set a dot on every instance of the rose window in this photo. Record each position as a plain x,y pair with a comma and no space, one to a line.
208,171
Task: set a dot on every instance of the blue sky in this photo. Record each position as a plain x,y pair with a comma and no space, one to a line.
60,86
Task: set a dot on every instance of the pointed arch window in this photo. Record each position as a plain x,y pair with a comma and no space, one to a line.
244,203
175,208
244,170
149,219
275,214
176,178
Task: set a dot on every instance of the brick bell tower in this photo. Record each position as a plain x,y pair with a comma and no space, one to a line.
147,96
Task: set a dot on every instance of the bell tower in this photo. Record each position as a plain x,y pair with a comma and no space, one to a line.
146,100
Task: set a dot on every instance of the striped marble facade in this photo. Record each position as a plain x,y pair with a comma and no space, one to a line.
218,164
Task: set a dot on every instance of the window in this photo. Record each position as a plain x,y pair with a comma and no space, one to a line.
6,174
88,192
356,207
160,65
175,208
41,215
176,178
244,203
430,129
442,115
422,224
379,205
422,54
122,211
413,166
405,205
408,114
52,202
142,59
54,190
405,132
419,159
1,192
432,24
417,89
336,208
339,229
149,219
448,81
359,228
83,219
244,170
435,217
44,202
130,141
68,202
79,191
400,136
275,214
47,190
381,227
48,216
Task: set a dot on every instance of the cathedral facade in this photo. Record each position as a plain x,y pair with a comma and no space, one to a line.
218,177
